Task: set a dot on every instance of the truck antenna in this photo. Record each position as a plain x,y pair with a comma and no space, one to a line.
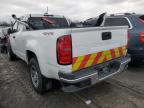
46,10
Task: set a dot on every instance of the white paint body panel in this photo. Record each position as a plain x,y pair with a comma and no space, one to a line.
84,41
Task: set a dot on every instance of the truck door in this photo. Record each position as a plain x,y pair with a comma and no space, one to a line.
13,36
14,39
20,37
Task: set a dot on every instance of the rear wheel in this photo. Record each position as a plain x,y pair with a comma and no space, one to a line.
39,82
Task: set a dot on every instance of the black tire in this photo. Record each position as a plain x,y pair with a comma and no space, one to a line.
11,55
40,84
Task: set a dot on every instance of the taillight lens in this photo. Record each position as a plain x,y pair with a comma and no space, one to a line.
141,37
64,50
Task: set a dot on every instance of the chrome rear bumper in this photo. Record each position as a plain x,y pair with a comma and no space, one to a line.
90,76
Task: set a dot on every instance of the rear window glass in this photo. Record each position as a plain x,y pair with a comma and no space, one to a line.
38,23
117,22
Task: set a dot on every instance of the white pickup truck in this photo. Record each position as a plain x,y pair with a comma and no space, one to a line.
77,57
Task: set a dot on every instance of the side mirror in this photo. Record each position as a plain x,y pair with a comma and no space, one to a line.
9,31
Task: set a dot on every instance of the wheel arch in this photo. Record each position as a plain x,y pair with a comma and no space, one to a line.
30,54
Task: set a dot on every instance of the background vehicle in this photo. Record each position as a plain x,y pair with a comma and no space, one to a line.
4,40
77,57
135,22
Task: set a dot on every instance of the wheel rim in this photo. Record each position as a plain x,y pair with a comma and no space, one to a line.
34,76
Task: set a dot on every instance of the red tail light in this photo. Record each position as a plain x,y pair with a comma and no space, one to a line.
141,37
64,50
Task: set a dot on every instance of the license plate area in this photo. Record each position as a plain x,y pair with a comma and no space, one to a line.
108,69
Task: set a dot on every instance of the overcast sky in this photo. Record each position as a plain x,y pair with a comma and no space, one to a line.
74,9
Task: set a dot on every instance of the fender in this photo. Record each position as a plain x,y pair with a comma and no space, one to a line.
31,46
36,48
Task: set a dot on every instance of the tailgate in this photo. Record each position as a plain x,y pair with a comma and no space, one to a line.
93,46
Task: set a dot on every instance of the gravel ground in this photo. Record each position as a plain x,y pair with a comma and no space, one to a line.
125,90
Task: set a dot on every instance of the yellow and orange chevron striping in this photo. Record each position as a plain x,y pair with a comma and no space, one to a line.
82,62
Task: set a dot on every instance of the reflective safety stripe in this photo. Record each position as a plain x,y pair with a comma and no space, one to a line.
78,62
91,60
82,62
117,54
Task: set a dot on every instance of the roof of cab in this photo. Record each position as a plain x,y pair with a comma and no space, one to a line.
26,16
124,15
42,15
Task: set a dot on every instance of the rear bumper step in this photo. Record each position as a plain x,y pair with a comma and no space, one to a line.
90,76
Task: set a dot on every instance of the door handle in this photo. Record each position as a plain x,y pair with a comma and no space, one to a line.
14,37
106,35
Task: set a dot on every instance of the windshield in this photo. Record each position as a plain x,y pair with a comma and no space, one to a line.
38,23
